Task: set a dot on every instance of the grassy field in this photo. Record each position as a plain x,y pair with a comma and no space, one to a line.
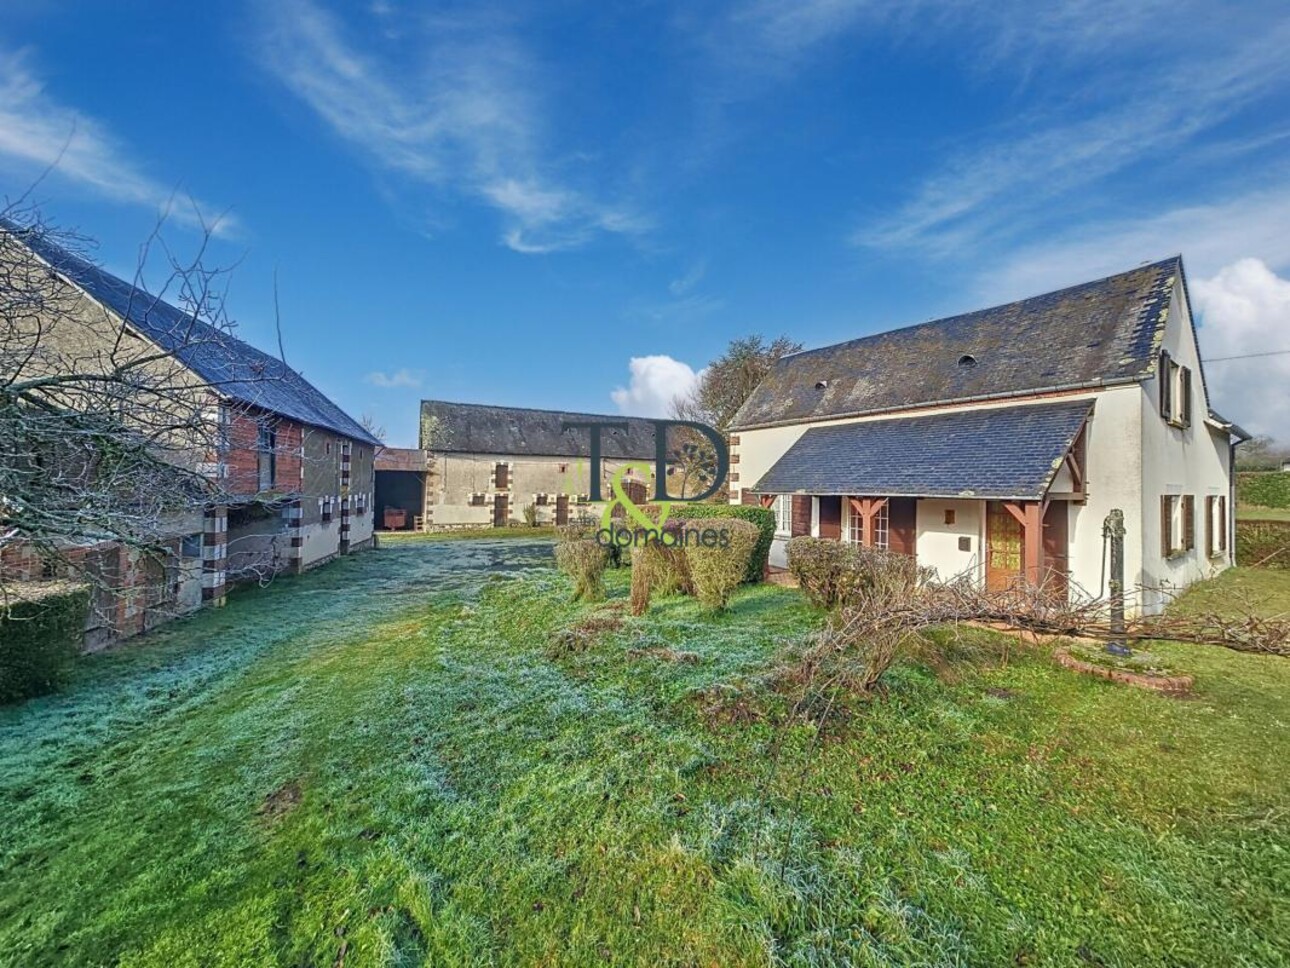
398,761
1252,513
464,534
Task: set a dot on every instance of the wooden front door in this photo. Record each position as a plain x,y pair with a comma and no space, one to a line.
561,510
499,510
1005,548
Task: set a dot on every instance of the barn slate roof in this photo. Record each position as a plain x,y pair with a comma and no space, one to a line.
231,367
1099,333
475,428
400,459
1005,453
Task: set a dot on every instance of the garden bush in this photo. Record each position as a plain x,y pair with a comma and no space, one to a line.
761,518
1263,543
1265,489
715,572
818,565
41,628
658,569
832,573
583,560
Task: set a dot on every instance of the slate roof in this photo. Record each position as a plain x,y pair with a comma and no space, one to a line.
1007,453
233,368
400,459
474,428
1095,334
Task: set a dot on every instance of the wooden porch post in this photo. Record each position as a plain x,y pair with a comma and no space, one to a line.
867,507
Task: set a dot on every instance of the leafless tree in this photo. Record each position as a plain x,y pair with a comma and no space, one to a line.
106,435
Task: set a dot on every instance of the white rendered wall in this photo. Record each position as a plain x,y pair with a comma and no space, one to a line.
938,543
1192,460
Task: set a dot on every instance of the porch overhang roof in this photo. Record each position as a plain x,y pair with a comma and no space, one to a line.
1004,453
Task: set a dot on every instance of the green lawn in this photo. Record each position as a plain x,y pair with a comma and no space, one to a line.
392,761
1252,513
465,534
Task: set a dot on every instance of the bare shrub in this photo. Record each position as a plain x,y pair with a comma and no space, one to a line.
531,514
640,586
832,574
716,571
819,564
583,560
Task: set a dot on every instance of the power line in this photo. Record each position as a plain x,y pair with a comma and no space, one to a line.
1246,356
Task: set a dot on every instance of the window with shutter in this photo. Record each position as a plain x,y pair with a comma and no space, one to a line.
1222,523
1165,377
501,476
1184,381
1211,538
1166,524
1189,522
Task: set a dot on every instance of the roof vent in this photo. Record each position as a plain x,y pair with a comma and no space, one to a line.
821,384
967,360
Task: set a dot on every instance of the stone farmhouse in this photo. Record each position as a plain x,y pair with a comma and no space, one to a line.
994,444
294,472
485,464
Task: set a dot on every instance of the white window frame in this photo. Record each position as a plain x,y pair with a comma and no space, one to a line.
783,515
854,533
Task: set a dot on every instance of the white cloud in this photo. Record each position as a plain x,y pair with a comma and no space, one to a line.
656,382
466,118
393,381
1245,309
37,131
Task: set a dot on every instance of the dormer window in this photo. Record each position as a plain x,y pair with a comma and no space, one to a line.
967,361
821,384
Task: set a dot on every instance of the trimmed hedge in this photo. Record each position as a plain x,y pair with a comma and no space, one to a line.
1265,489
762,518
40,638
583,560
1263,543
834,574
715,572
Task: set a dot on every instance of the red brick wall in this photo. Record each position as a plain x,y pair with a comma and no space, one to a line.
242,456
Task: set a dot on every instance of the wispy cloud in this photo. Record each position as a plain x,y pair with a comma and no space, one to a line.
1004,185
1210,236
464,116
392,381
37,131
684,284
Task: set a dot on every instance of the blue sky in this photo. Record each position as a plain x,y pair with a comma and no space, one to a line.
578,204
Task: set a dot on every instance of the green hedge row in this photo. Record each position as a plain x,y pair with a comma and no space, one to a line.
40,638
1263,543
762,518
1265,489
